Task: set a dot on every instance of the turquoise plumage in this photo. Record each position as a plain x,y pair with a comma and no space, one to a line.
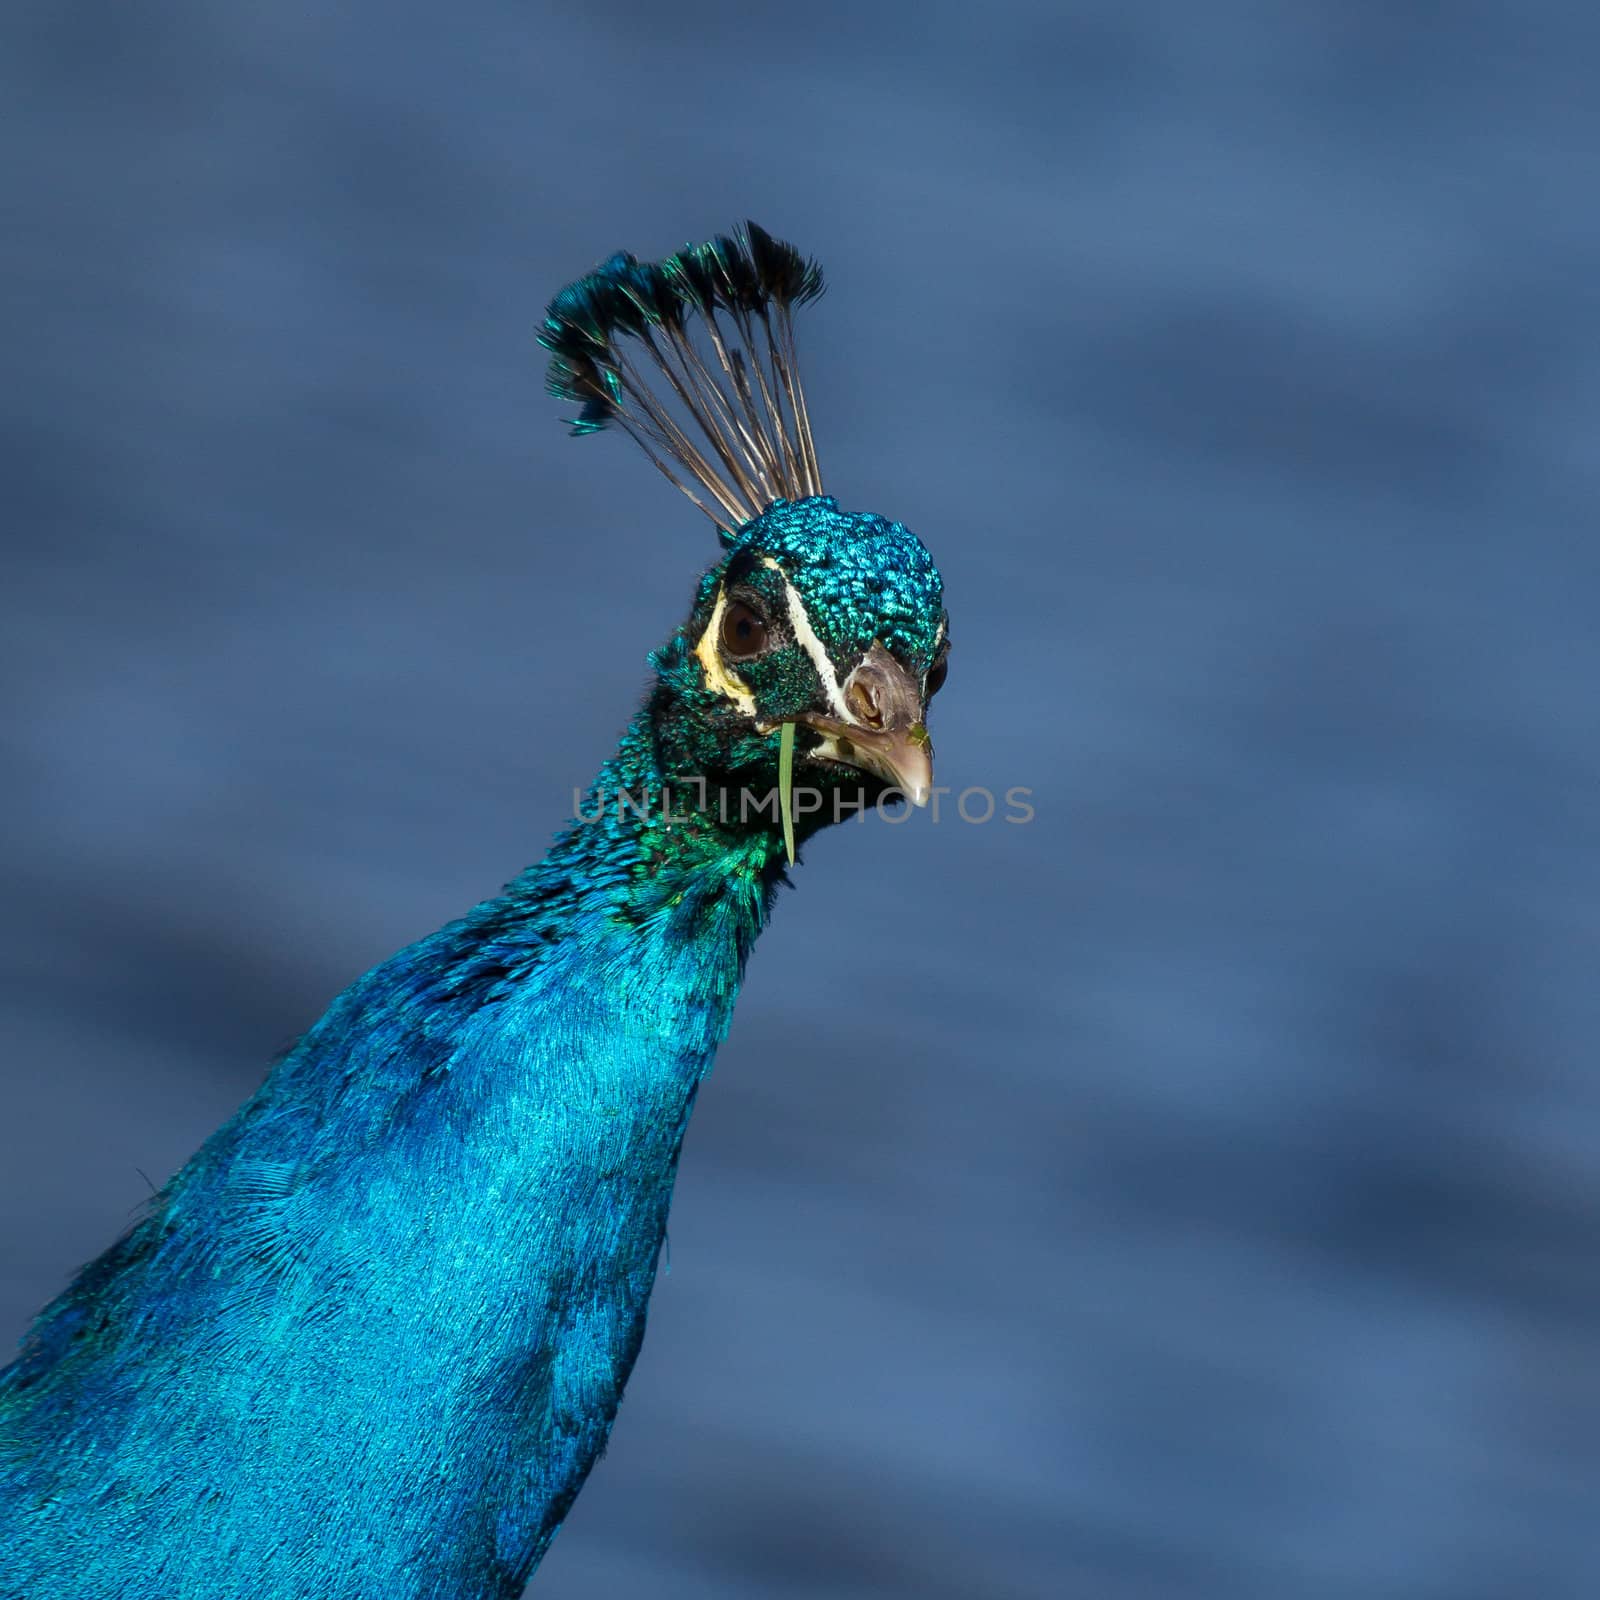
370,1339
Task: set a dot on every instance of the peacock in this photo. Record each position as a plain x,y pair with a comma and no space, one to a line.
369,1341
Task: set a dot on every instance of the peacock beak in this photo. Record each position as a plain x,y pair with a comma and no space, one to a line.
902,758
884,734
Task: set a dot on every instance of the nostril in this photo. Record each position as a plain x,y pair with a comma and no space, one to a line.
862,699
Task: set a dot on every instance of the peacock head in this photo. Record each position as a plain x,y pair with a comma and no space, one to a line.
817,626
829,621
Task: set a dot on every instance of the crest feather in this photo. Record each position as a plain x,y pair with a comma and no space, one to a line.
731,420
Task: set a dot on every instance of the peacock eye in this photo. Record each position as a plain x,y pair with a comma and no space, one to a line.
936,674
744,630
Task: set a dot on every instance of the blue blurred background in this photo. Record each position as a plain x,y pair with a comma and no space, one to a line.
1202,1198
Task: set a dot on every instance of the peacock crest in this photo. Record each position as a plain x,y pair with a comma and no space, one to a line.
716,323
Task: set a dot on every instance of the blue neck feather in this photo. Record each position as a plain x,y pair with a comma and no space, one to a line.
370,1340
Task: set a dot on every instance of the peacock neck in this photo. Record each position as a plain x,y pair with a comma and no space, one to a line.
418,1260
656,857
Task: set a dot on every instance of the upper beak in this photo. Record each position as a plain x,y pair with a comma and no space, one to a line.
885,734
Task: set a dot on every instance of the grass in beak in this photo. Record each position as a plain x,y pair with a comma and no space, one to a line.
786,786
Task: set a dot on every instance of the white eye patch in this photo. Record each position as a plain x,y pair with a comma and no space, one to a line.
718,678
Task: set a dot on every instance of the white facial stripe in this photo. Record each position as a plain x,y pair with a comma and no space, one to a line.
718,678
806,637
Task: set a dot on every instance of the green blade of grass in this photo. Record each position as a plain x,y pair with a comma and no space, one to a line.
786,786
